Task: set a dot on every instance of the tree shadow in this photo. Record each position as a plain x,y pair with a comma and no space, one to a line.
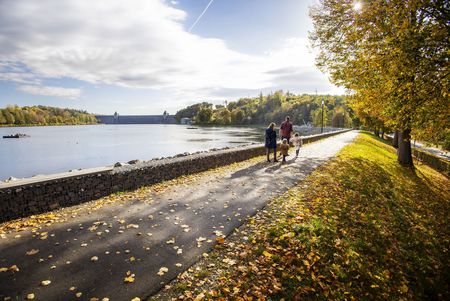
394,211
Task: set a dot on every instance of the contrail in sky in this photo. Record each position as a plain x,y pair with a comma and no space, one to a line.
201,15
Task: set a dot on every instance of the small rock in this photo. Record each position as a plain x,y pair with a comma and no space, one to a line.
136,161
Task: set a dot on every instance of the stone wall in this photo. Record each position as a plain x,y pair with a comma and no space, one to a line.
437,163
27,198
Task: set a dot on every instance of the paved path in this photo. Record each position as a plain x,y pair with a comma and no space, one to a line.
181,221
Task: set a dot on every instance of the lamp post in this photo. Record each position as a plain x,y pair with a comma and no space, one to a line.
321,130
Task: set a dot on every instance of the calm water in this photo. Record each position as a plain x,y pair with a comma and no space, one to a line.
61,148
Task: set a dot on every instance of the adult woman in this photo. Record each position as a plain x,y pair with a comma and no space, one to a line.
271,142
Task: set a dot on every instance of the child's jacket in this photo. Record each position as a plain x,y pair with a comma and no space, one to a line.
284,149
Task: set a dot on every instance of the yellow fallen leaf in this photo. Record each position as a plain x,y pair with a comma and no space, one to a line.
132,259
3,270
136,299
45,282
14,268
162,271
404,288
32,252
267,254
129,277
30,296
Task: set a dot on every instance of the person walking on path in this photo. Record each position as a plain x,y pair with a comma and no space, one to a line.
286,129
298,142
271,142
284,149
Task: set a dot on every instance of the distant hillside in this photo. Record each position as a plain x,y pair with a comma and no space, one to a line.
273,107
42,115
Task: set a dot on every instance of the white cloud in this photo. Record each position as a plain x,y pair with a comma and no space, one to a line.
50,91
136,43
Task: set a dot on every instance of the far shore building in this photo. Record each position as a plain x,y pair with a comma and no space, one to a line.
186,120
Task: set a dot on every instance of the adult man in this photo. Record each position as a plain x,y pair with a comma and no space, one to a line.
286,129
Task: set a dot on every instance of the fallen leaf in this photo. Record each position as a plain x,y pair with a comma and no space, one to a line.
129,278
30,296
162,271
32,252
229,261
45,282
220,240
94,258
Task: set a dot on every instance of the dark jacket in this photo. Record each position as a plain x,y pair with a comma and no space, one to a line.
271,138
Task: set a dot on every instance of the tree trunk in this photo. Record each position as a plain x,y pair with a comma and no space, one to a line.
376,132
395,140
404,155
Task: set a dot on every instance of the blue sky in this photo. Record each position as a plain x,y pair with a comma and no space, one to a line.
139,57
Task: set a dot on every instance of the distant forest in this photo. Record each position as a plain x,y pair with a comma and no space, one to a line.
273,107
42,115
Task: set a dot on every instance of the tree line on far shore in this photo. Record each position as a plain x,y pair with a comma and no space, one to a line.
273,107
43,115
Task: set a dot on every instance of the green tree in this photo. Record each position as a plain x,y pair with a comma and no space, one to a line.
2,118
237,116
222,116
41,115
316,116
204,115
9,117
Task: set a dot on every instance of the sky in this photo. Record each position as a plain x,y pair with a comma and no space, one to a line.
151,56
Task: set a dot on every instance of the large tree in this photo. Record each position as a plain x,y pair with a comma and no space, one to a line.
393,55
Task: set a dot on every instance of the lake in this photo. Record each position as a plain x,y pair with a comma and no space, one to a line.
54,149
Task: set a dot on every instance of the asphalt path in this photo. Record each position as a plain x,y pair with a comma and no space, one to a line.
132,249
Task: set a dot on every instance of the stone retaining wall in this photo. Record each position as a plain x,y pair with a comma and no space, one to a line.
435,162
27,198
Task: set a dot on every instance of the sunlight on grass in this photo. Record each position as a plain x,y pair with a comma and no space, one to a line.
361,227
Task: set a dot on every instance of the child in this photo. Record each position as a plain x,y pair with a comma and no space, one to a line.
284,147
297,141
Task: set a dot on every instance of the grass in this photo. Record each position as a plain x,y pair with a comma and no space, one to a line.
361,227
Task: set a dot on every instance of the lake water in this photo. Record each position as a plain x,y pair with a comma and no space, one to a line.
54,149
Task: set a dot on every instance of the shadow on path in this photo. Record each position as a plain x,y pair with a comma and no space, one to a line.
172,231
